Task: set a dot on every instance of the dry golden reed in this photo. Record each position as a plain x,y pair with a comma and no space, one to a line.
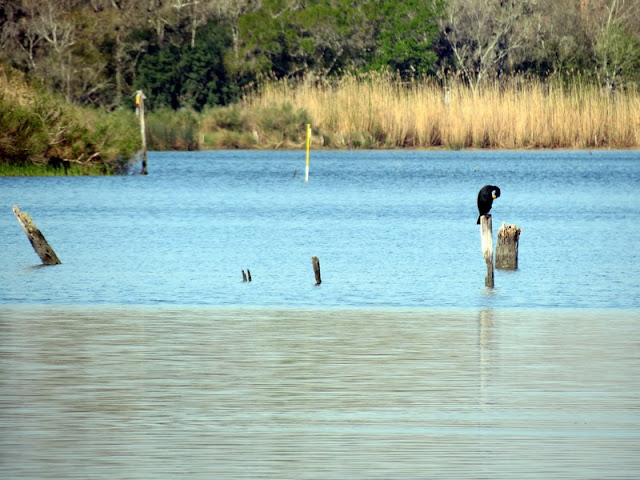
379,110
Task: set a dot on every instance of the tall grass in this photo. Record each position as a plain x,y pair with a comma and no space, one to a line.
379,110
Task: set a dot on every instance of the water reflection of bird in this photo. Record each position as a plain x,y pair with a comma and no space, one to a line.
485,199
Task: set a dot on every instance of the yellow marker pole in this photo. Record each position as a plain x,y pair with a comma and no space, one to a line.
306,173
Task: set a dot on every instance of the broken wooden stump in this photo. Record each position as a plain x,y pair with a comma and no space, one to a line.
486,235
507,247
246,277
39,243
316,269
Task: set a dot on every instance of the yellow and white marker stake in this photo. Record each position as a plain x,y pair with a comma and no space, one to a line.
306,172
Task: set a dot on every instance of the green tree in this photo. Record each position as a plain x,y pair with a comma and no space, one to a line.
405,34
618,57
615,26
285,38
175,76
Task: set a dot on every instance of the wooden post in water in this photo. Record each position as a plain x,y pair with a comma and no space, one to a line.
486,235
143,132
39,243
507,247
244,276
306,171
316,269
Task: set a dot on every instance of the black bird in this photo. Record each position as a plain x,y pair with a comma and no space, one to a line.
485,199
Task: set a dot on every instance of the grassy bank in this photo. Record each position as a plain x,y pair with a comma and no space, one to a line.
42,135
377,111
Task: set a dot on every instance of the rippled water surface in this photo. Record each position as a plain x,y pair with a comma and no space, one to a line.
390,229
212,393
145,356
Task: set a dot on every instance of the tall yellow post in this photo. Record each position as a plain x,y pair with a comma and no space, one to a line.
306,172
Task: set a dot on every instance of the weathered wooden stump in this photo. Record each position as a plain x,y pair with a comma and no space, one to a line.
507,247
486,235
316,269
244,276
39,243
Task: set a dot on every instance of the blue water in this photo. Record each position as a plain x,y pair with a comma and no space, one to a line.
391,229
144,355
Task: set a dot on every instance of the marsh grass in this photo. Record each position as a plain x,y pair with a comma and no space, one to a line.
379,110
32,170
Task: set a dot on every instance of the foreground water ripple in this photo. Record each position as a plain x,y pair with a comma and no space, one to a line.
159,393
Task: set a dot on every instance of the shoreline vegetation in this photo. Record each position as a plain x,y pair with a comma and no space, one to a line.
378,110
42,135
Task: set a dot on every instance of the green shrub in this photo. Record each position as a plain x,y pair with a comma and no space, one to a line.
23,138
282,122
172,130
224,118
41,134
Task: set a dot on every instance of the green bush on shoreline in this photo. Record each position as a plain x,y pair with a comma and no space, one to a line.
172,130
42,135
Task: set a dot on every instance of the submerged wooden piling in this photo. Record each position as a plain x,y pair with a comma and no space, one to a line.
486,235
507,247
39,243
316,269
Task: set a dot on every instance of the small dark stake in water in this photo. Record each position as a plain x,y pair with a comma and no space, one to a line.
144,355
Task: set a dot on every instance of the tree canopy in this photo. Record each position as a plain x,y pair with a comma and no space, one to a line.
199,53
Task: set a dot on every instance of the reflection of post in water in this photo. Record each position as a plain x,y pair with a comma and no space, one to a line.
485,345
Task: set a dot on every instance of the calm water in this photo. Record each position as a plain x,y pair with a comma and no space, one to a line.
145,356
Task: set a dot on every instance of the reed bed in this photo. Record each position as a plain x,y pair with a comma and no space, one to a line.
379,110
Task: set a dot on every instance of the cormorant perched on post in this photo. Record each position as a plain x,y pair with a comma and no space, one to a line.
485,199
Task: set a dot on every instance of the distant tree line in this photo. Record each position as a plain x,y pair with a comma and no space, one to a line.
200,53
